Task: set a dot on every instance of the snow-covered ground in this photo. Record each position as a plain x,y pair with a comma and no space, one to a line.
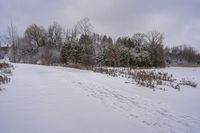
43,99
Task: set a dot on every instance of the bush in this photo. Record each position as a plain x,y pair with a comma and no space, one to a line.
188,83
4,79
4,72
48,56
4,65
151,78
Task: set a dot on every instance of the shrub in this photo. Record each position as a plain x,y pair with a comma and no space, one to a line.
4,65
4,79
5,70
188,83
148,78
151,78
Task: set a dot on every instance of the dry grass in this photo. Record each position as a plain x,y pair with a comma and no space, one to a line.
110,72
148,78
4,79
186,65
151,78
188,83
5,71
77,66
4,65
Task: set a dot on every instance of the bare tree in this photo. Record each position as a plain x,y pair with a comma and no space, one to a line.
139,39
155,37
67,35
155,41
12,40
181,54
74,33
71,34
84,26
36,35
55,33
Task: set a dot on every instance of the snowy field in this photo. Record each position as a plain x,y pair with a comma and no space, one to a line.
42,99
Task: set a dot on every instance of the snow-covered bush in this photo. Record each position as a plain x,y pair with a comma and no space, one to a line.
5,71
4,79
175,85
188,83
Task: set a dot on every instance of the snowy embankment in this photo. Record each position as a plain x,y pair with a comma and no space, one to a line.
42,99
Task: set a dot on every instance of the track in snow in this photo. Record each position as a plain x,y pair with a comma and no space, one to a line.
56,99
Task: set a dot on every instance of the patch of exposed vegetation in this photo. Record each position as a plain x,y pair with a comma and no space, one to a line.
148,78
152,78
5,72
188,83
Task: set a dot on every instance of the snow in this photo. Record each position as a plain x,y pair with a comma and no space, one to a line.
43,99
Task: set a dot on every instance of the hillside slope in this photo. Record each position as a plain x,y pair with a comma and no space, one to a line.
43,99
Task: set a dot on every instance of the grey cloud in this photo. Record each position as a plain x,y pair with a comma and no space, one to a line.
178,19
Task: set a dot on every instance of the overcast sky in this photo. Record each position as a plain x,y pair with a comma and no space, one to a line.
179,20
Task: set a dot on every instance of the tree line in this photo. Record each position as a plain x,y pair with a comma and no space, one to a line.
182,54
81,45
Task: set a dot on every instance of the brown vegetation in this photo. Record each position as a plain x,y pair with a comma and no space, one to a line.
148,78
5,71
